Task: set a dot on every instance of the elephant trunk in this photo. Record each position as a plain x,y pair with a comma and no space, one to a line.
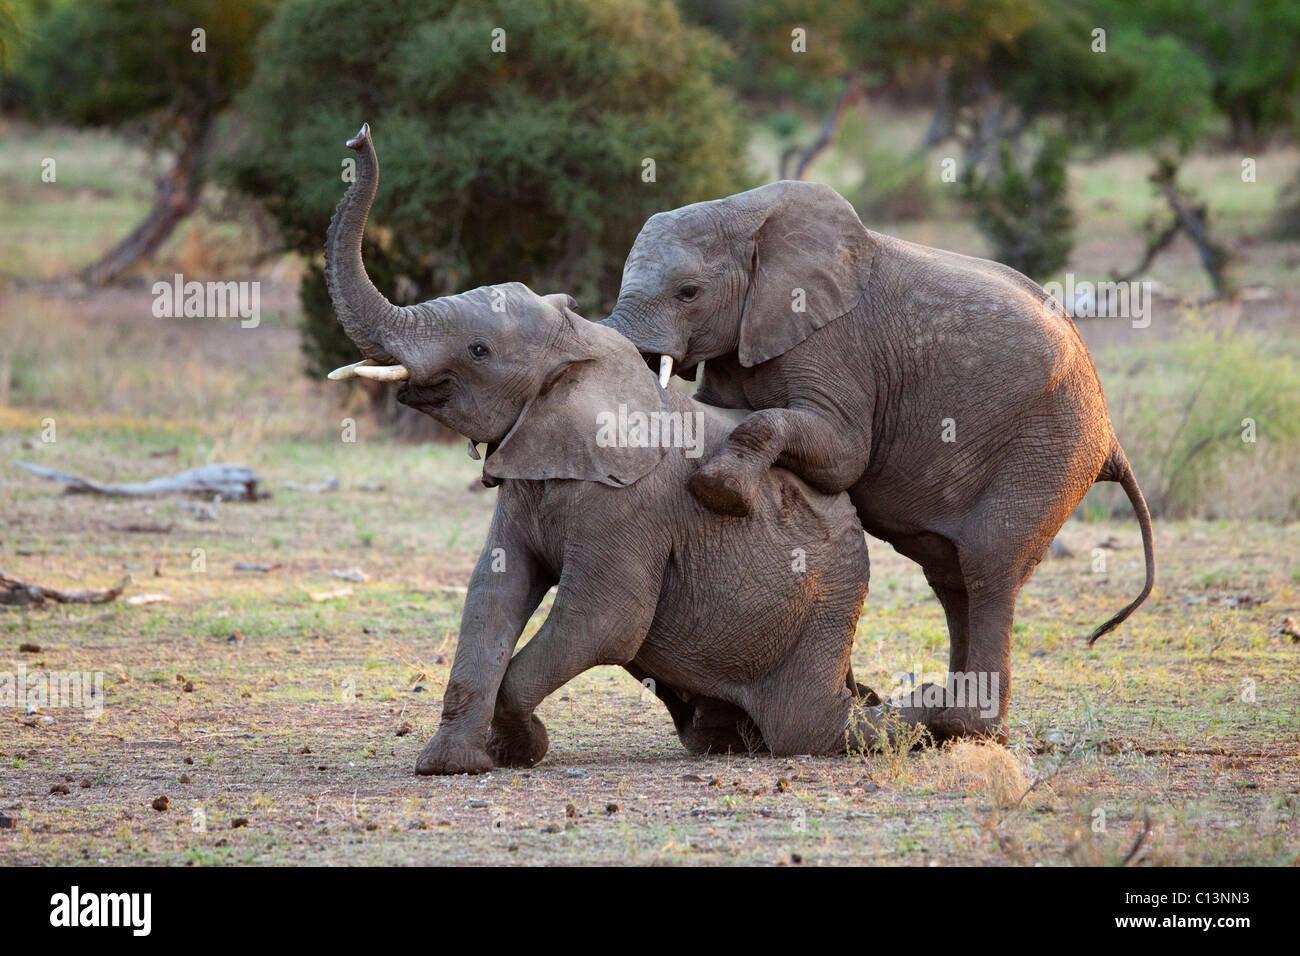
653,346
362,309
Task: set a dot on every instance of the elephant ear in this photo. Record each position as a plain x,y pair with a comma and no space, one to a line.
570,428
811,257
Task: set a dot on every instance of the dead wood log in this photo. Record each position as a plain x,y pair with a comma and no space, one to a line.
230,482
21,593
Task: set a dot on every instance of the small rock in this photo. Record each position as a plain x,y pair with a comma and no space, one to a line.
161,804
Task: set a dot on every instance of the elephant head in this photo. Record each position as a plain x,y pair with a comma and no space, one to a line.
753,274
500,364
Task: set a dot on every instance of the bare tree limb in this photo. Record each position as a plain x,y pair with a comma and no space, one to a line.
832,126
22,593
230,482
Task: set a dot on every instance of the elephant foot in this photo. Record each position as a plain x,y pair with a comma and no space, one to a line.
724,487
518,744
445,756
932,706
878,726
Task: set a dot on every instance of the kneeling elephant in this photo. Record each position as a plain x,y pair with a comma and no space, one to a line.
744,626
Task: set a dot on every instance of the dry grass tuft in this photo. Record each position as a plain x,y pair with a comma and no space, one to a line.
989,767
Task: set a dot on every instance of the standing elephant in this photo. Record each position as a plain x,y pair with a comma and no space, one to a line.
951,396
745,628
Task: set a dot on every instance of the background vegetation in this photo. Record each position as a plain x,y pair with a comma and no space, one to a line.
991,127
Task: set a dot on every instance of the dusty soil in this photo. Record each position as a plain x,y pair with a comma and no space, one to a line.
283,729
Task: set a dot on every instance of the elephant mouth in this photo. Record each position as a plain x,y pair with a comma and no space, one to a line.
653,360
427,398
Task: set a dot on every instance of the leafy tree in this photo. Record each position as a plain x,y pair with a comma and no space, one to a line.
141,65
833,54
1026,213
1248,49
534,153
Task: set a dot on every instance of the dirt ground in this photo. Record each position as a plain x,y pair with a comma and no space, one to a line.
283,729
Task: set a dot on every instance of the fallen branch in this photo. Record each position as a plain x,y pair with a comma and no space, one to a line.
231,482
1138,850
21,593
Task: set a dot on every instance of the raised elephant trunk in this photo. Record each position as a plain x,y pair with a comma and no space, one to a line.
361,308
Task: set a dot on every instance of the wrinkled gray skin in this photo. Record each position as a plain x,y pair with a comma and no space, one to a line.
744,627
862,353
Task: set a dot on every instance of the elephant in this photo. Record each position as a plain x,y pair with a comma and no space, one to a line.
742,629
950,396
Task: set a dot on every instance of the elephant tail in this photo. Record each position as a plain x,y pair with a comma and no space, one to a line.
1118,469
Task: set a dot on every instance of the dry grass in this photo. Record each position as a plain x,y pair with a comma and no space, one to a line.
986,767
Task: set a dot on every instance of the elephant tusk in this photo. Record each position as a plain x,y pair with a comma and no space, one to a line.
473,450
347,371
665,370
383,373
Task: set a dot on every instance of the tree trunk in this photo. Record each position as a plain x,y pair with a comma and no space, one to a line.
177,197
831,128
941,122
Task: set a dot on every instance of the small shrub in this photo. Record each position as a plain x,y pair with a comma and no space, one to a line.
1025,212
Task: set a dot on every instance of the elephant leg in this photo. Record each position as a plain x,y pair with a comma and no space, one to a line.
869,697
497,608
956,608
601,615
807,443
977,693
705,725
805,705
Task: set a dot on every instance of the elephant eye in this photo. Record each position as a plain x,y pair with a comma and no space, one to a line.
688,292
479,350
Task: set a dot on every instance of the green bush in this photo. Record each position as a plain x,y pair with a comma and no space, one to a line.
521,165
1025,212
